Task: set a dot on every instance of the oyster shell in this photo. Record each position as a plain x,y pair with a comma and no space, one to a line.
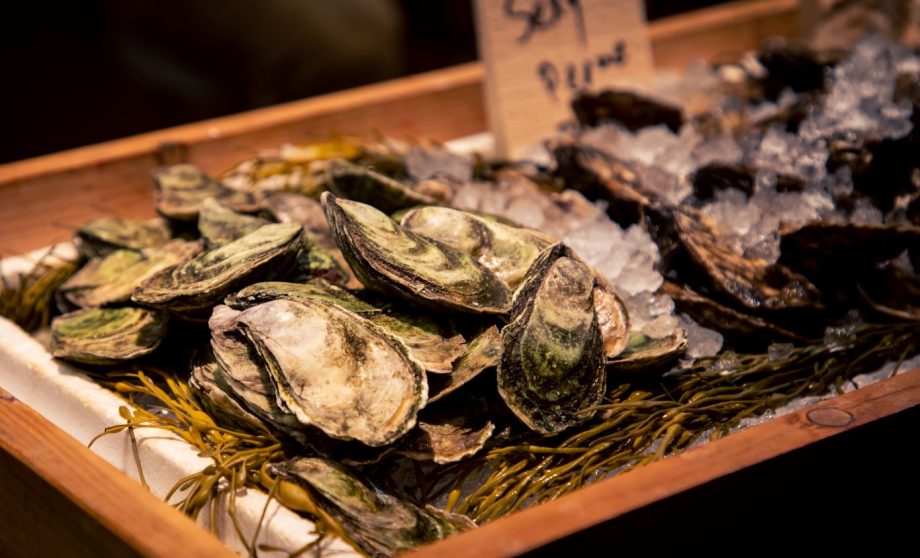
482,352
220,225
203,381
506,250
365,185
347,377
551,372
102,336
315,289
202,282
180,189
112,279
432,343
753,283
449,433
612,317
102,236
380,523
388,258
242,375
643,352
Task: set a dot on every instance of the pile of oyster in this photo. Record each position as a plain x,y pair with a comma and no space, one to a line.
340,300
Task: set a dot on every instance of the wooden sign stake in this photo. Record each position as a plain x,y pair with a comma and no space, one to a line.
539,53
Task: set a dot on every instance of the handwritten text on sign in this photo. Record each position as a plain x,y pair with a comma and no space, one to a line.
538,53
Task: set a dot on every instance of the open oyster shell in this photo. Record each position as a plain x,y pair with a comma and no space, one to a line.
348,377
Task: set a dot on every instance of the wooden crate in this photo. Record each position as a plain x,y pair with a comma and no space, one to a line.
56,497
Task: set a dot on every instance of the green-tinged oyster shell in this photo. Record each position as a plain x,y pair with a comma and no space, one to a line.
388,258
365,185
449,433
180,189
551,372
506,250
644,353
242,374
380,523
482,352
111,280
220,225
315,289
203,282
337,371
103,236
107,335
219,403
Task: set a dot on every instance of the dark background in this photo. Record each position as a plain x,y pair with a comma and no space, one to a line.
85,71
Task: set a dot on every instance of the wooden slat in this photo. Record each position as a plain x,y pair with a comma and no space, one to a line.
607,500
42,199
57,498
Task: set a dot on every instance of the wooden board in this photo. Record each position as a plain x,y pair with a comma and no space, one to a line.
607,500
59,499
43,199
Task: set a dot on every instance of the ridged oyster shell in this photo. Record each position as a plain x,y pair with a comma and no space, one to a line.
103,236
199,284
551,373
388,258
100,336
380,523
506,250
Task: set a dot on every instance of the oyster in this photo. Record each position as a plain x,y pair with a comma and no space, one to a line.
643,353
380,523
219,225
348,377
612,317
632,111
102,336
202,282
241,373
481,353
203,381
505,250
551,372
315,289
180,189
744,330
433,344
386,257
265,174
365,185
323,258
112,279
102,236
449,433
753,283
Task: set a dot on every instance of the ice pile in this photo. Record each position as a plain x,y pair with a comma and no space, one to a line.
861,94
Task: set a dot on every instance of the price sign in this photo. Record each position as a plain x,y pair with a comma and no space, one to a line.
539,53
